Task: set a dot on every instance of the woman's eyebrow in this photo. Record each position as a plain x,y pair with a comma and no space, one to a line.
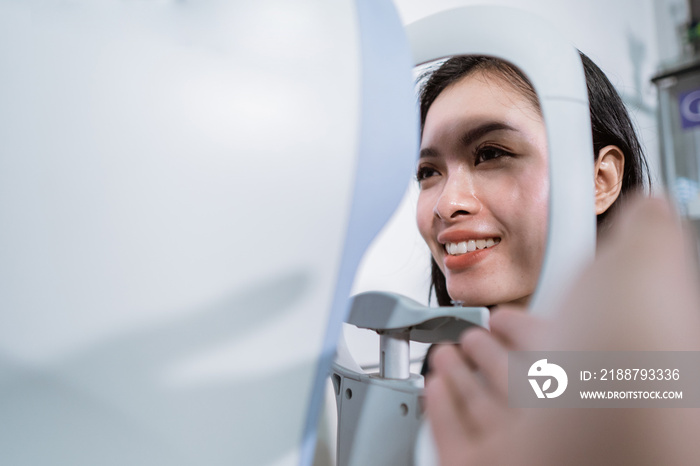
474,134
428,152
471,136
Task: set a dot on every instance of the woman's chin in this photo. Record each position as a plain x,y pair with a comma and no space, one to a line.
474,301
491,301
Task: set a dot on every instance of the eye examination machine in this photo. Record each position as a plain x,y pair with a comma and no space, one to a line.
388,403
187,189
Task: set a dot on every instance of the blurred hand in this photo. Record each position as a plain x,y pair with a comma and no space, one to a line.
641,293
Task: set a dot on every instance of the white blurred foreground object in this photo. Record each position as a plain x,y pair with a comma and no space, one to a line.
382,423
185,191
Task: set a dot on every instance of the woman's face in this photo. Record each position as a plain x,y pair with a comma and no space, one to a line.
482,207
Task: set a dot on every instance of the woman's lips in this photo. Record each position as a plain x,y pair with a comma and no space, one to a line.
464,246
468,259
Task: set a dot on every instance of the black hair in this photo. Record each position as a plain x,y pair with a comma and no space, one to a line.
610,123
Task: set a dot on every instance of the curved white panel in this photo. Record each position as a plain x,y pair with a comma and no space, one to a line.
555,70
387,148
175,184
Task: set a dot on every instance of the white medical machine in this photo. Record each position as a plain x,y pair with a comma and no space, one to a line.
379,414
186,189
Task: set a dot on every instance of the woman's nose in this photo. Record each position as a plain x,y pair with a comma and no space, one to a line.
458,198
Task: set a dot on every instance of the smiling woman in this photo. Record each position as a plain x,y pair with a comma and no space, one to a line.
483,176
483,179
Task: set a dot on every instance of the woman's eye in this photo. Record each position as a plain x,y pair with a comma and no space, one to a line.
487,153
424,173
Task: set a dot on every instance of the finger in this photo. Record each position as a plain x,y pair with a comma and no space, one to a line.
448,362
470,392
489,356
448,429
489,413
480,405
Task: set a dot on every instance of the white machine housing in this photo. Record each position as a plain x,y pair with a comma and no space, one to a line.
185,191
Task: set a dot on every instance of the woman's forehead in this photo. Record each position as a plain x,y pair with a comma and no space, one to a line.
478,98
483,90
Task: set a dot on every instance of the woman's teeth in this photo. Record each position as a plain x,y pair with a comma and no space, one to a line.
464,247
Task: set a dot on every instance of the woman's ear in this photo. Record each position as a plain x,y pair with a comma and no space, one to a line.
609,168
